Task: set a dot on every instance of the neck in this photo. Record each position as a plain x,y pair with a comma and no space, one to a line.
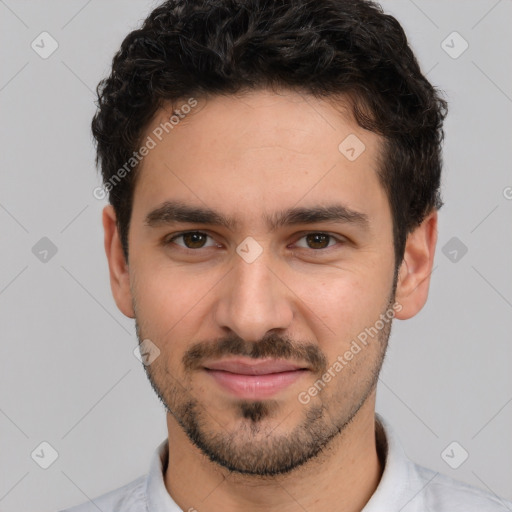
342,478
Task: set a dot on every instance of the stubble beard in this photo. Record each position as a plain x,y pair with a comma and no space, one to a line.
254,447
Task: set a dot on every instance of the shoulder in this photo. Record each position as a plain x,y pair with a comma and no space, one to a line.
442,493
411,487
129,498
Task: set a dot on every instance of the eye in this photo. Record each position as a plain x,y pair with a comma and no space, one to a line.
317,241
191,240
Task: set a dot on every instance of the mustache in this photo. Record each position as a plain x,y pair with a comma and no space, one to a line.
271,346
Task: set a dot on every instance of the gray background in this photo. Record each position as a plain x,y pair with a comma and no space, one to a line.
68,374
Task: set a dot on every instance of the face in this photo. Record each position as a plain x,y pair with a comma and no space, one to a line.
259,255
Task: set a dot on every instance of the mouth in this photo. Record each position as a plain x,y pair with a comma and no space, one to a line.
254,379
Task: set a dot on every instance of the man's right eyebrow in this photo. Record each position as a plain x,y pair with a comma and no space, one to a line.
174,211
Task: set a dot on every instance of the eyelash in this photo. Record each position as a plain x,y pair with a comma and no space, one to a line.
167,241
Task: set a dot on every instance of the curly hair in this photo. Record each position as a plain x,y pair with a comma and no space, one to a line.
327,48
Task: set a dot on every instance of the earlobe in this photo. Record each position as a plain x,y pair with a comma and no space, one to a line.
118,268
416,268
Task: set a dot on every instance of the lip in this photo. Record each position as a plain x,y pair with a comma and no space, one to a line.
252,366
252,379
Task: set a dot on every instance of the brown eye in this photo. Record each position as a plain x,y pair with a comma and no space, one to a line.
191,240
317,241
194,240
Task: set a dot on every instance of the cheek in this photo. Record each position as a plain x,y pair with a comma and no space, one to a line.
348,295
162,299
172,301
341,307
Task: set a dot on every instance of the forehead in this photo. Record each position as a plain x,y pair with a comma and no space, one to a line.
256,151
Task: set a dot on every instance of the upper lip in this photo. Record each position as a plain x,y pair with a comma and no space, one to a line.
252,366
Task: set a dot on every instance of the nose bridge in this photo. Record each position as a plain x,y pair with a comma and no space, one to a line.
254,300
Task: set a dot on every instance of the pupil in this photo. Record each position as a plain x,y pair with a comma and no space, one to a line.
315,237
194,239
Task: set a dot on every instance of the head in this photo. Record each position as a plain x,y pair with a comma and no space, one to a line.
273,173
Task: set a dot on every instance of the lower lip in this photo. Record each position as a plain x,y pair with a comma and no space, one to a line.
255,386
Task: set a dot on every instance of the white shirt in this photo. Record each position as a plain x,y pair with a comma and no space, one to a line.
403,487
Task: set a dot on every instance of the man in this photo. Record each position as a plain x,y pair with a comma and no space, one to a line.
273,173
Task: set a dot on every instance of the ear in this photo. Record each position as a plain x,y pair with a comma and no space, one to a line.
414,274
119,275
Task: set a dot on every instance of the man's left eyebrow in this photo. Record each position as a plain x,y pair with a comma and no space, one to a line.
311,215
175,212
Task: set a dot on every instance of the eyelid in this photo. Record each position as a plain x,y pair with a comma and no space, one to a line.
338,238
170,238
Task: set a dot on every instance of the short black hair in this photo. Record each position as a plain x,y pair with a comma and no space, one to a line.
328,48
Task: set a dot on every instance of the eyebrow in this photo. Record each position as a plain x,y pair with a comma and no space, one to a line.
171,212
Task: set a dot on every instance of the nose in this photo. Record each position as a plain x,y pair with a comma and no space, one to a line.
254,299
